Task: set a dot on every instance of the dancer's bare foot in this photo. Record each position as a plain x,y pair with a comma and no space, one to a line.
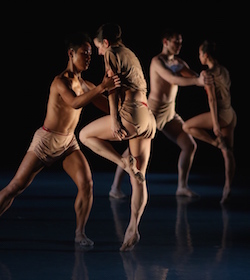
84,241
116,193
131,169
186,192
226,195
130,242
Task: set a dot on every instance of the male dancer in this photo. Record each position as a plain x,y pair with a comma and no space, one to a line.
56,140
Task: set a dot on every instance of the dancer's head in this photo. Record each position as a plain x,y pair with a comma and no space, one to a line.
172,41
207,52
107,34
79,50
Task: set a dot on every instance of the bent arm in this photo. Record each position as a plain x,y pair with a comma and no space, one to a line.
213,107
79,101
168,75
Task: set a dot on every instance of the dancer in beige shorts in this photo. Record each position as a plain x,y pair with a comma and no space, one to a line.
167,72
55,140
221,119
130,119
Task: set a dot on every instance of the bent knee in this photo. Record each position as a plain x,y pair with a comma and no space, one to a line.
185,127
85,185
82,137
193,146
189,146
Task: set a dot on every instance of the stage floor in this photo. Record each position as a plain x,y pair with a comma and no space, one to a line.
181,238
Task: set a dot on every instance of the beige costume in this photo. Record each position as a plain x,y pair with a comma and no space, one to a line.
138,114
164,112
222,91
124,62
50,146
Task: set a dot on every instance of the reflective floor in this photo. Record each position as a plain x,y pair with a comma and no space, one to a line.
181,238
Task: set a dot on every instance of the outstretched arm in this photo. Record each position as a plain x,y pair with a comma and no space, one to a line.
168,75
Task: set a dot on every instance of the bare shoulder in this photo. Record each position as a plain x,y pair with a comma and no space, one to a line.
89,84
60,81
154,61
155,58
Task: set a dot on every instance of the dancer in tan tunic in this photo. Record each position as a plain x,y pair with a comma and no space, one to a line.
55,140
130,118
221,119
167,72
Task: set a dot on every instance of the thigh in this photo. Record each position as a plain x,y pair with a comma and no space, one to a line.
28,169
228,134
99,128
200,121
173,130
77,167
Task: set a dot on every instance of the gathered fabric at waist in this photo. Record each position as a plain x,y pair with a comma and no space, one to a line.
56,132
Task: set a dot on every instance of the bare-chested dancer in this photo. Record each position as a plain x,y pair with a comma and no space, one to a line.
56,140
221,119
166,72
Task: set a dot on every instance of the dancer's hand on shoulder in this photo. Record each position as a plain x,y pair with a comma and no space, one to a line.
208,78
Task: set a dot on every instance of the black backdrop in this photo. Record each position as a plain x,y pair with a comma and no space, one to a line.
33,53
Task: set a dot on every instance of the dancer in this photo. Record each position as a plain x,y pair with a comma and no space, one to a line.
56,140
221,119
130,119
166,74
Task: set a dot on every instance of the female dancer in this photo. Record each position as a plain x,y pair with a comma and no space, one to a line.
130,118
221,118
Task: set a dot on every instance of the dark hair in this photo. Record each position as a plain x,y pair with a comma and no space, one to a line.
170,33
109,31
76,40
209,47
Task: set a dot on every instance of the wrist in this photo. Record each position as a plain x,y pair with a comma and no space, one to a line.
102,88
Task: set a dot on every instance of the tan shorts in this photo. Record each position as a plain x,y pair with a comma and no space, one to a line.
163,112
140,116
51,146
227,115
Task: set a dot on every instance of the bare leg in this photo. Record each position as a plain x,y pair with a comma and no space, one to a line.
78,169
229,160
95,136
198,126
25,174
116,191
229,173
141,151
173,130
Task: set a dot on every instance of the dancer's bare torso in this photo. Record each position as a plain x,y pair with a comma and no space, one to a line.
61,117
161,89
